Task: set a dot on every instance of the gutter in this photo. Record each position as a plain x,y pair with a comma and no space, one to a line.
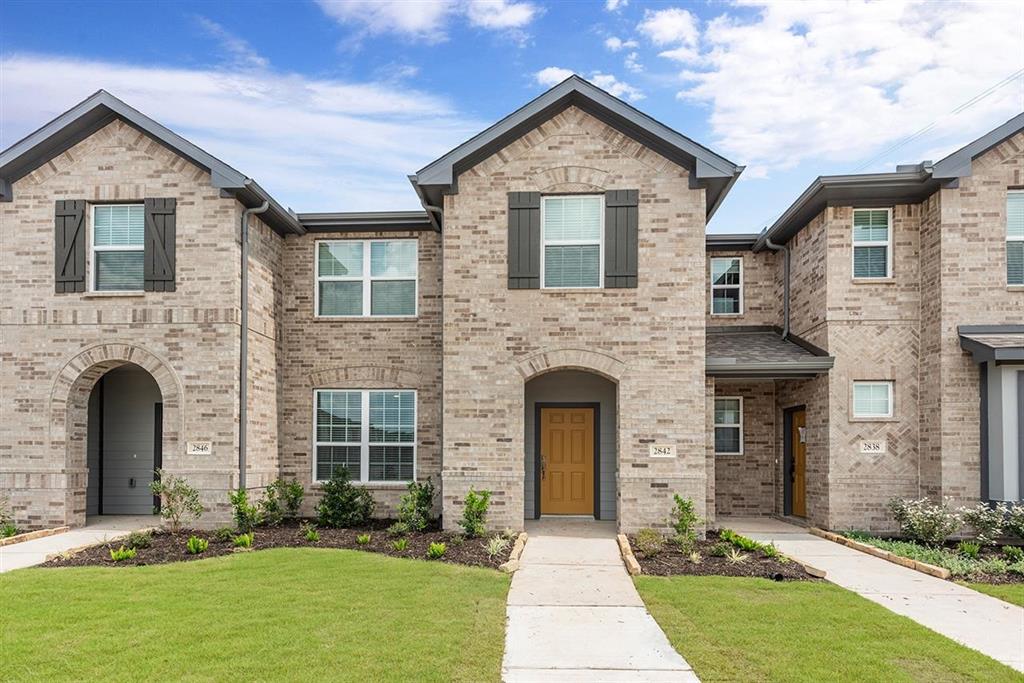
785,282
243,365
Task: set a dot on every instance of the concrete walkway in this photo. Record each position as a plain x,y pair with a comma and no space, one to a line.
980,622
574,615
96,530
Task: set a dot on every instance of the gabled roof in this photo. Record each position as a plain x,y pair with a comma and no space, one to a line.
100,109
708,170
909,184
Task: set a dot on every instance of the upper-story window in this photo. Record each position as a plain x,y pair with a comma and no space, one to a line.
727,286
872,243
571,232
118,249
872,399
1015,237
361,278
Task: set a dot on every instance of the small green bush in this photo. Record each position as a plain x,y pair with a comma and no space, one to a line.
924,521
398,529
684,522
363,539
1016,568
197,545
1013,553
244,540
292,493
400,544
139,539
496,545
225,534
309,532
416,507
436,551
9,529
987,522
178,500
456,540
720,549
343,504
271,509
1014,522
474,513
122,554
246,515
969,549
649,542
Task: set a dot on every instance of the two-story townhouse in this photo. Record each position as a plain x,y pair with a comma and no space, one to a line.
554,327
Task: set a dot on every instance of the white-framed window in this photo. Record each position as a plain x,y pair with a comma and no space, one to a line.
1015,237
371,433
117,246
872,399
729,425
872,243
572,237
366,278
727,286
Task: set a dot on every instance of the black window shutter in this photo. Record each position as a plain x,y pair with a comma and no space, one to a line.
69,245
158,271
621,214
524,240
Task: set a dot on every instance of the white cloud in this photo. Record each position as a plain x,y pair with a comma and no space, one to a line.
428,20
552,75
241,53
633,62
615,5
616,87
670,26
843,81
316,144
615,44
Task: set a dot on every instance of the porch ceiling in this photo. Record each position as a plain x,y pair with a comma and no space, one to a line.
762,353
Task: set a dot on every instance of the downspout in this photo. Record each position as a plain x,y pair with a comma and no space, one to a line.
785,282
243,365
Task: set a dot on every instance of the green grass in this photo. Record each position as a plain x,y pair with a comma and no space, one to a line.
732,629
283,614
959,566
1011,592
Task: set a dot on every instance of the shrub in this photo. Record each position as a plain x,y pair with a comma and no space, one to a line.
1014,522
197,545
969,549
736,556
122,554
720,549
398,529
416,506
224,534
695,557
291,493
649,542
139,539
244,540
1013,553
363,539
436,551
684,521
400,544
496,546
6,516
474,513
456,540
270,508
9,529
924,521
309,532
769,550
246,515
1016,568
343,504
741,542
987,522
177,499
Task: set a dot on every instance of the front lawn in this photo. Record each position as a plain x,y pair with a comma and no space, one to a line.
281,614
760,630
1010,592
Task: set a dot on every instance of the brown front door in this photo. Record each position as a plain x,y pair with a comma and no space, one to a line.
797,438
567,461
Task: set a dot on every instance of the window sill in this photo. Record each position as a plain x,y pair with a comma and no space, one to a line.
727,315
728,455
873,280
875,419
365,319
113,295
377,485
1015,288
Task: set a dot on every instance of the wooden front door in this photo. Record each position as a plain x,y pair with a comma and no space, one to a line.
799,476
567,461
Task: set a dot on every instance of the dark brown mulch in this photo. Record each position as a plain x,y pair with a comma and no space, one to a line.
167,547
671,562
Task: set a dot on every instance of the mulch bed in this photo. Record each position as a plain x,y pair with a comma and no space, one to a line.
672,562
167,547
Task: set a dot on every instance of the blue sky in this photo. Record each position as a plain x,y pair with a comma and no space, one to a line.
329,105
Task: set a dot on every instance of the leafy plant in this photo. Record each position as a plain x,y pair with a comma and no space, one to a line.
969,549
363,539
178,500
244,540
122,554
6,516
987,522
1013,553
246,515
343,504
770,551
695,557
398,529
741,542
456,540
139,539
496,546
292,493
1014,522
924,521
416,507
1016,568
436,551
400,544
309,532
684,522
224,534
474,513
270,507
720,549
197,545
649,542
8,529
735,556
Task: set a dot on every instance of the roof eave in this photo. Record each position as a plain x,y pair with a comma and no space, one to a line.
808,368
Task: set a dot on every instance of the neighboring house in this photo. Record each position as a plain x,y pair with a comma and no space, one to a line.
554,327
